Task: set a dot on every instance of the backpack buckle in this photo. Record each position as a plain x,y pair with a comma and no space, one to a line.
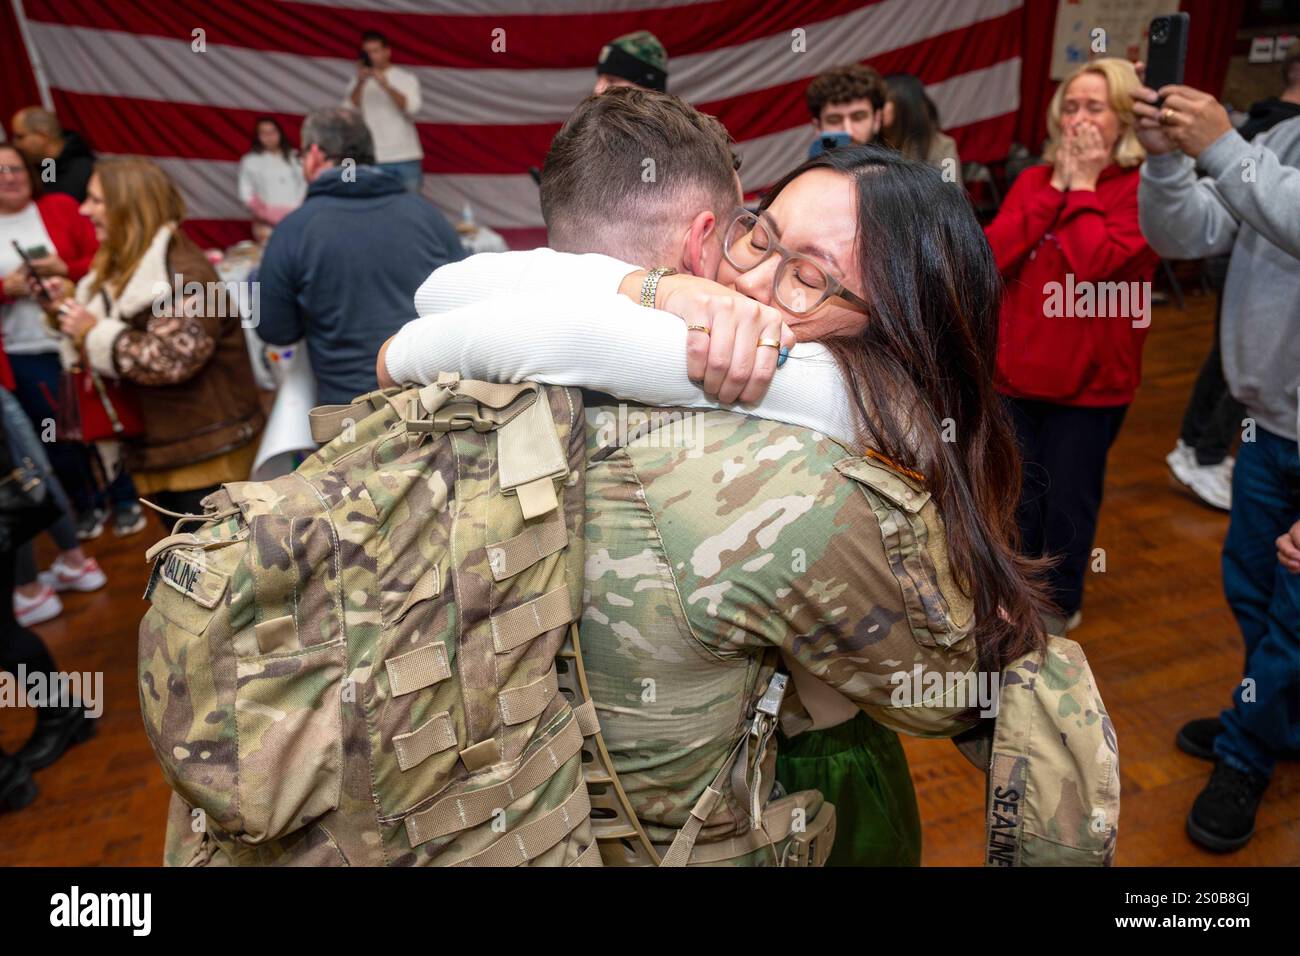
460,417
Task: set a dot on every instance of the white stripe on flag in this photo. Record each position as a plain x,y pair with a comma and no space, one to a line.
511,202
482,8
504,202
111,63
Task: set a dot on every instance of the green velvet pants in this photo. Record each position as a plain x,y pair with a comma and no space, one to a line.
860,767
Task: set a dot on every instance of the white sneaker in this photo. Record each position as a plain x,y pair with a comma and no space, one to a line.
1181,461
45,606
67,577
1211,483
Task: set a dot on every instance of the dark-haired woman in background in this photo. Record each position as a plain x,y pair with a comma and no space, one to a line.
271,183
896,294
911,126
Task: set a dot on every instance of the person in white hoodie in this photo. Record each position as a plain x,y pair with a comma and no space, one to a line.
1247,204
271,182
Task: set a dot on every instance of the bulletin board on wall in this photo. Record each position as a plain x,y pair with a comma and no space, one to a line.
1123,25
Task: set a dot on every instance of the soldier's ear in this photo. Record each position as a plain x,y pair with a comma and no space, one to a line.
700,252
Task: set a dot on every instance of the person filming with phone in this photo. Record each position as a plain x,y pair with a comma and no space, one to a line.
389,99
1245,203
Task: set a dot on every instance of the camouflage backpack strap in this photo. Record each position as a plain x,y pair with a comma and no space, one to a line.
744,760
328,421
615,825
1053,790
506,769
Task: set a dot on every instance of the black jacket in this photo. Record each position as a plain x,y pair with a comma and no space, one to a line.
1266,114
73,167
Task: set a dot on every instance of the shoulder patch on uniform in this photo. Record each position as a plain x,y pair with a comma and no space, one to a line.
904,492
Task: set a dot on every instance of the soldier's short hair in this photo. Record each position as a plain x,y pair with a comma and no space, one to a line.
844,84
628,167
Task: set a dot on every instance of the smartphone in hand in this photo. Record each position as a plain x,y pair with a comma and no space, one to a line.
1167,50
43,294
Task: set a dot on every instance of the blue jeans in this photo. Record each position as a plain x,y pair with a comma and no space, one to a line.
24,443
410,172
1264,721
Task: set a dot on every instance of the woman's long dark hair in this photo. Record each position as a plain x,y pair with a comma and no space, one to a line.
921,375
914,126
285,149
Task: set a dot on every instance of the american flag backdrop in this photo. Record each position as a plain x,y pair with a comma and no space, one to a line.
137,76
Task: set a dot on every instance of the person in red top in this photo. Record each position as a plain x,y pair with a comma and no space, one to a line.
61,243
1074,314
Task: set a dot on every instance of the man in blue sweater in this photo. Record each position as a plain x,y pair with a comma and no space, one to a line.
342,269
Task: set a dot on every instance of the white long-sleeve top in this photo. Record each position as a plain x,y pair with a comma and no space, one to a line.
277,181
391,127
559,318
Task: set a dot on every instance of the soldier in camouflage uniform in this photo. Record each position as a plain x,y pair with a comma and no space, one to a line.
697,567
711,559
856,589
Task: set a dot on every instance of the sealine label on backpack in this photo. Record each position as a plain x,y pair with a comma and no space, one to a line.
357,663
1053,788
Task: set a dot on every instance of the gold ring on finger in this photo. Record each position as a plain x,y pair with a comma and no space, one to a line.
1167,116
698,328
769,343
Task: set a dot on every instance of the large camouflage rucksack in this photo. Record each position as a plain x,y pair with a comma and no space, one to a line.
1052,761
356,663
371,660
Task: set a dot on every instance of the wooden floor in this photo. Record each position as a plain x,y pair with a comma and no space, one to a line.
1156,630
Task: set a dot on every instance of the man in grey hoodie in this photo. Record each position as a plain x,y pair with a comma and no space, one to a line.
1248,205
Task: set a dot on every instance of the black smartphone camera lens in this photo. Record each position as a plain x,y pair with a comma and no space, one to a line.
1159,30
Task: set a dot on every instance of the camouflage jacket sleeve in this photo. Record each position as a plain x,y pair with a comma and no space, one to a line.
840,563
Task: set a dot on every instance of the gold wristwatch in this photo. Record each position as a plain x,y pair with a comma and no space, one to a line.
651,285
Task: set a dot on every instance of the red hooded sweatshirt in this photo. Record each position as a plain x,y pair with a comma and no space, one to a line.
1077,299
74,240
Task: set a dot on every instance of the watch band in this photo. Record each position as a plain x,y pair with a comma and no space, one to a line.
651,285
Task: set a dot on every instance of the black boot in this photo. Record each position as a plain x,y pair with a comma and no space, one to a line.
1223,816
17,788
57,729
1196,737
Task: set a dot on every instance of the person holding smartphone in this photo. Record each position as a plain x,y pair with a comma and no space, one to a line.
1207,191
58,243
389,99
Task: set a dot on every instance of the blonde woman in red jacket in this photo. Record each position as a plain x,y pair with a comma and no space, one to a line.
1075,313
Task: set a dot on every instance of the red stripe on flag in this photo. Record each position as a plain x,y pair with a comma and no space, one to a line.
532,41
217,233
159,128
988,141
224,233
120,124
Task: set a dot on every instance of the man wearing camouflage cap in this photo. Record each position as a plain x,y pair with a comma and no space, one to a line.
635,59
